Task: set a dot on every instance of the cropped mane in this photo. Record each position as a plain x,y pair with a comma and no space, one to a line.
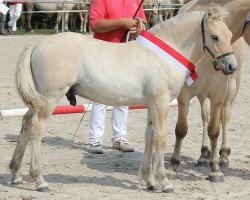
171,23
215,11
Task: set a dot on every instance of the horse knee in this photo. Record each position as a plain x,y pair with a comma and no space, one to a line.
213,131
181,130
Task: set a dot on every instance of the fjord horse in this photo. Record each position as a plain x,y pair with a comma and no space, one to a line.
107,73
215,93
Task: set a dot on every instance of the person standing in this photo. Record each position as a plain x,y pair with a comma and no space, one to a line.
2,21
15,9
110,20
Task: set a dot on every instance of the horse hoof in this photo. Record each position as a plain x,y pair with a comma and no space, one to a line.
171,174
17,181
169,189
150,187
43,189
216,178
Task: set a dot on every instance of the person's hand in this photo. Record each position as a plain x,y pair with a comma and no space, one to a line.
133,32
128,23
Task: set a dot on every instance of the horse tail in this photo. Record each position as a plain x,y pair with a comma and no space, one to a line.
25,82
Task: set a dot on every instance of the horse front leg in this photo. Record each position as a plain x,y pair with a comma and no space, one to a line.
159,110
213,132
145,171
232,90
204,158
181,129
24,136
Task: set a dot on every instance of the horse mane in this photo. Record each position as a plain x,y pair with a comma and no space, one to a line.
171,23
213,12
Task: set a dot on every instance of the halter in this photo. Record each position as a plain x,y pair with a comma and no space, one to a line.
205,47
244,27
246,22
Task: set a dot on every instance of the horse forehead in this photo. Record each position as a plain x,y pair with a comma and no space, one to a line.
219,27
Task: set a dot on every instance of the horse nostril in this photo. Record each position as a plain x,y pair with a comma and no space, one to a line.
231,68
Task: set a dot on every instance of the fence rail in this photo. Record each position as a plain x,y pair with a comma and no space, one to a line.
161,6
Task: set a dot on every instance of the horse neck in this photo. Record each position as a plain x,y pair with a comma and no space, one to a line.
187,43
237,14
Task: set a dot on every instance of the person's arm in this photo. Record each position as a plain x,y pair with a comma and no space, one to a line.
106,25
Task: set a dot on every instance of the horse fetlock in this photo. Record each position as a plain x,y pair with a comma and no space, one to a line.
14,165
225,152
146,175
171,174
174,164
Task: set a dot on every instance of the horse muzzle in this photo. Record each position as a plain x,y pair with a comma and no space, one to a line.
228,64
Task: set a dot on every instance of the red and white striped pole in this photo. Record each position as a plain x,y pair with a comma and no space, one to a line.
66,109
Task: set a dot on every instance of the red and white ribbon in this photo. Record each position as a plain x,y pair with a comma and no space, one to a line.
168,54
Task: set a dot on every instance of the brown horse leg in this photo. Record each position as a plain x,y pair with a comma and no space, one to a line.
24,136
233,86
145,172
181,129
213,132
204,159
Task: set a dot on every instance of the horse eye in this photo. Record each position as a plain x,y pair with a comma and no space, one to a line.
215,38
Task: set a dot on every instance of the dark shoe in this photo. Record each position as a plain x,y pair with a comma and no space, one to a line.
123,145
96,149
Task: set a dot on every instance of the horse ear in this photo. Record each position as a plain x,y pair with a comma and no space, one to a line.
214,11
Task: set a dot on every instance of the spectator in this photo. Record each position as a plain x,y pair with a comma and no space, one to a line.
110,20
2,22
15,9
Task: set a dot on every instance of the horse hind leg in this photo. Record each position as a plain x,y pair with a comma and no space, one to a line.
16,162
39,123
32,129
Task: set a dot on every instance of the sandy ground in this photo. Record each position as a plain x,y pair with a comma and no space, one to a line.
73,173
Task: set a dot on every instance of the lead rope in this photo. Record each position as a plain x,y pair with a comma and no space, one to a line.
141,25
80,121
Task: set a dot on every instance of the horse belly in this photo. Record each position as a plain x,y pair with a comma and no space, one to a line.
115,94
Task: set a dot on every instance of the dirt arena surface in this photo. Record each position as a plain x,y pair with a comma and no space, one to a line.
73,173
